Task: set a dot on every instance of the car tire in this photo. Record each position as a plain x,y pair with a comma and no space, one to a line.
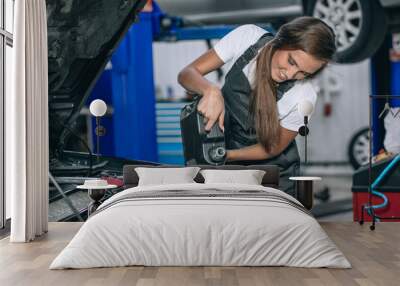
358,150
367,21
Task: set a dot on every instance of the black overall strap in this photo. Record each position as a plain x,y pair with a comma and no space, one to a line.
237,89
252,51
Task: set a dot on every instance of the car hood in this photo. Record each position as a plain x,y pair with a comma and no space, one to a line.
82,35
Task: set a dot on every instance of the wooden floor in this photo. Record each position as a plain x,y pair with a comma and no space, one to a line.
375,257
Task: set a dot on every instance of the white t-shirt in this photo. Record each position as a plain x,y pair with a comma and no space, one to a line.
235,43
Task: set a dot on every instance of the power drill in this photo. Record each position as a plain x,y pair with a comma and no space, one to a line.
200,146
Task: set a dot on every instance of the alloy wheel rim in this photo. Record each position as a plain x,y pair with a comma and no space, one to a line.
344,16
361,149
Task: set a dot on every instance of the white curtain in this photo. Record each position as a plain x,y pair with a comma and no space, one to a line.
27,123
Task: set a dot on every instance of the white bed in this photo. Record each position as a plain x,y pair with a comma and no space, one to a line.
182,230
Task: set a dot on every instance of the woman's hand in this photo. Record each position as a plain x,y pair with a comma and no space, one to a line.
212,107
192,78
228,155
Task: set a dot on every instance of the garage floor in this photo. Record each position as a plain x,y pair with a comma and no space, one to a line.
338,180
374,255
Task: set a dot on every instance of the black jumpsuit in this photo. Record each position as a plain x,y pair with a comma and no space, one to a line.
239,128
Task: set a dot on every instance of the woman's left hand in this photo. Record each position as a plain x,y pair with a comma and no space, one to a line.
228,156
212,107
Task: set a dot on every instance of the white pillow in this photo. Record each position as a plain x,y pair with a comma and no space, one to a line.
249,177
163,176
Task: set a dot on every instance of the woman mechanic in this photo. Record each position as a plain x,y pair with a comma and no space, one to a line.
267,79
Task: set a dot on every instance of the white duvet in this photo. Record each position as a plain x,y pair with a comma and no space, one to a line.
200,231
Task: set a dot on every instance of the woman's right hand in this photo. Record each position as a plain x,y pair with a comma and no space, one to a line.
212,107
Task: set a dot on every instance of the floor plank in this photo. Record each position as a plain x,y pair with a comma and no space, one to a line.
374,255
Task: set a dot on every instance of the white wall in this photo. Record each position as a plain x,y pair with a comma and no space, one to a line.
170,58
330,136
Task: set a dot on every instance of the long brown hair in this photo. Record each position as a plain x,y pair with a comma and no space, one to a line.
308,34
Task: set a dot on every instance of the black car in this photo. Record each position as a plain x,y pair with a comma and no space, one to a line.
82,36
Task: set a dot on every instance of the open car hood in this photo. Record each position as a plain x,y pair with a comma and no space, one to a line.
82,35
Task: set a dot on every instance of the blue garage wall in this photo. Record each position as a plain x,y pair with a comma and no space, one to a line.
128,87
395,83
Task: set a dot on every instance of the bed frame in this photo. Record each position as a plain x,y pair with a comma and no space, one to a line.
270,179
